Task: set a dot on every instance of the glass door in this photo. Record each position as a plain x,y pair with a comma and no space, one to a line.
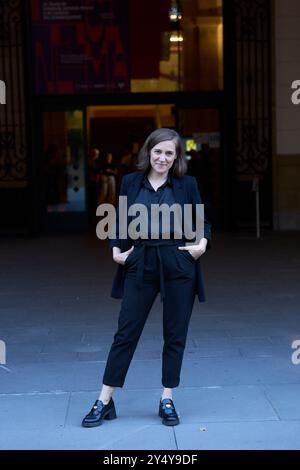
64,169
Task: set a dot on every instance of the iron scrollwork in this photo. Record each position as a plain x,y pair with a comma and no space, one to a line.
13,145
253,78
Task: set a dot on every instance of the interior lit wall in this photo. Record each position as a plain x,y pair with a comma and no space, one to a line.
194,62
202,24
162,113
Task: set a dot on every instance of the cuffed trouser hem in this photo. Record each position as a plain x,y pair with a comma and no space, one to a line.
170,386
111,385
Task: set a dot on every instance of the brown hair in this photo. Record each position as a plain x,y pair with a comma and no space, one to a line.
179,167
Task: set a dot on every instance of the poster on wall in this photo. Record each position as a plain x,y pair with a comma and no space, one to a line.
80,46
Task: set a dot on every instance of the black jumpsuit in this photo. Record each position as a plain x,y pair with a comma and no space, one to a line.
154,265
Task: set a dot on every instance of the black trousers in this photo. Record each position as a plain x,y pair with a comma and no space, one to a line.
150,268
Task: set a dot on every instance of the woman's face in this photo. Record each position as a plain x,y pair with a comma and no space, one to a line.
162,156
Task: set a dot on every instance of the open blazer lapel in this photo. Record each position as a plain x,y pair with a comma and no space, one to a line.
185,192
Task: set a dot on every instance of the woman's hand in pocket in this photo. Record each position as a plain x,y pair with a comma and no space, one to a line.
196,250
119,257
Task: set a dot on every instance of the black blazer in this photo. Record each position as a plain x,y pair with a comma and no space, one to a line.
185,192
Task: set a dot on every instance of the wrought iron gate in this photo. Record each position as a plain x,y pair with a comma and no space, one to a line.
249,103
14,189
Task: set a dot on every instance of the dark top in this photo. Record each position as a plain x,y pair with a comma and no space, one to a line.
107,167
94,169
186,191
163,195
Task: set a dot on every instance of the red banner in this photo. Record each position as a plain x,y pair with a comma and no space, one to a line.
80,46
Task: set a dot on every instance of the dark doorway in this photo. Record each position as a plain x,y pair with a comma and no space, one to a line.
118,136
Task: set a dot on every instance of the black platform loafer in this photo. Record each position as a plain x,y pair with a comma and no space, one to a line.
168,413
98,413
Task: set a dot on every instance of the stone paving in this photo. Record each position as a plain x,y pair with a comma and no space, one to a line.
239,387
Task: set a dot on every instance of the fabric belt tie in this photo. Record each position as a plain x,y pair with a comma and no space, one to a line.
141,261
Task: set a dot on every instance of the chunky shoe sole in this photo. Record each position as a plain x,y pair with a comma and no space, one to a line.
110,415
167,422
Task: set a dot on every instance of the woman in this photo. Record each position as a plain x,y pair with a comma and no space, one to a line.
94,169
108,181
149,265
